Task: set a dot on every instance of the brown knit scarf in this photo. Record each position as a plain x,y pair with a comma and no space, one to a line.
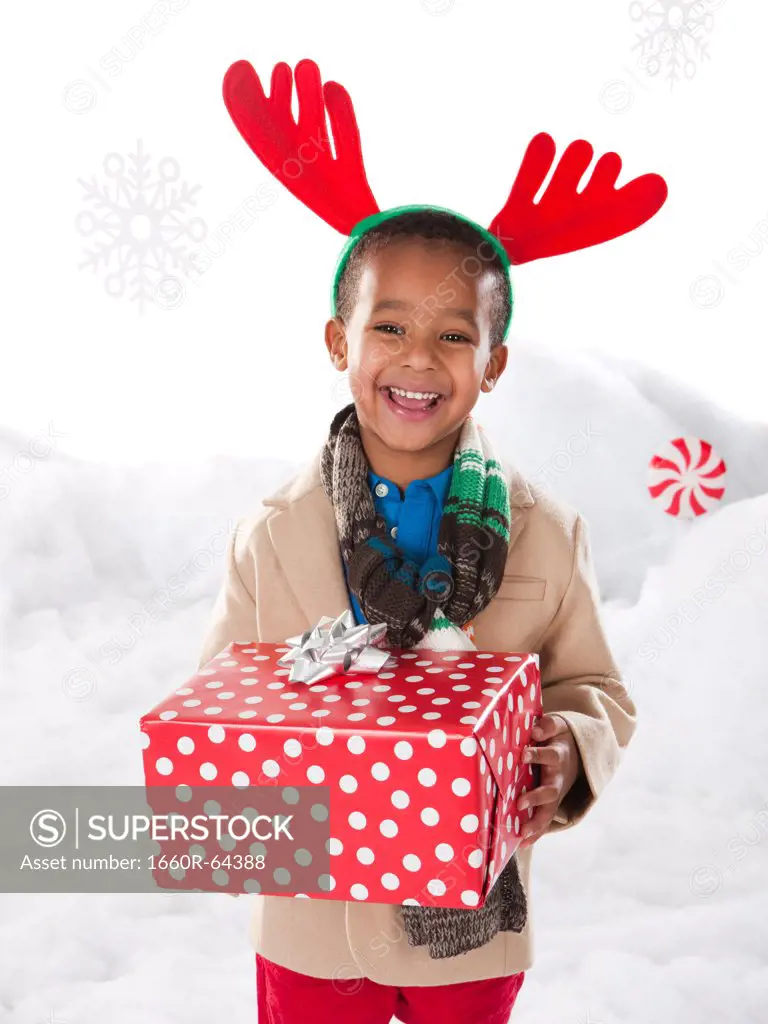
458,583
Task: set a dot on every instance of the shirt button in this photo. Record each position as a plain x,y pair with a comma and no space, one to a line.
393,533
382,490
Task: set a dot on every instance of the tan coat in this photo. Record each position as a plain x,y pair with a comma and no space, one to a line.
284,572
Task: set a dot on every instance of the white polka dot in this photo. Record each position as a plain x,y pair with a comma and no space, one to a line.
414,679
468,746
335,846
436,886
324,736
411,862
356,744
166,716
212,711
365,855
348,783
386,720
185,745
380,771
358,891
436,738
216,734
332,698
468,720
320,714
276,686
246,741
435,669
271,768
400,799
298,706
357,820
275,718
430,816
357,717
427,777
225,695
492,748
144,740
475,859
403,750
164,765
361,702
382,687
470,823
517,825
470,704
496,719
241,780
315,773
444,852
425,691
247,714
208,771
184,691
484,654
390,881
388,828
470,897
292,748
500,764
405,708
430,715
442,700
461,787
254,700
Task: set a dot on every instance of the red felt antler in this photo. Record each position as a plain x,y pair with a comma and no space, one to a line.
299,154
565,220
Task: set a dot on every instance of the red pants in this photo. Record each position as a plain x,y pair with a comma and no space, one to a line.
286,997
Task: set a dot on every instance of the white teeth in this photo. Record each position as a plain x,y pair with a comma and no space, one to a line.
415,394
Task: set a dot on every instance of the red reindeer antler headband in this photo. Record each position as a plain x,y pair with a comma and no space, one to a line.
336,188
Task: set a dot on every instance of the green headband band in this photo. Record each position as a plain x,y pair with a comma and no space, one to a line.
367,223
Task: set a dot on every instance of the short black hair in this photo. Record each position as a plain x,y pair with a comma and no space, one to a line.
431,226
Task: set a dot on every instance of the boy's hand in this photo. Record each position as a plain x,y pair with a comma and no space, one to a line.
560,762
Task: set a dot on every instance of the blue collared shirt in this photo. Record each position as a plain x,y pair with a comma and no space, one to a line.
414,518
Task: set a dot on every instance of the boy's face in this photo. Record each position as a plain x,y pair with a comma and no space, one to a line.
421,324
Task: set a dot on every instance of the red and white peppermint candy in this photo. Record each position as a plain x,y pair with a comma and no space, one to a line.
687,476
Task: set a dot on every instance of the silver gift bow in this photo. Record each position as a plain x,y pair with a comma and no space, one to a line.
334,646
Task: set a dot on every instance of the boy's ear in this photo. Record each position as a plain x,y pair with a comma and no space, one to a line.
495,367
336,343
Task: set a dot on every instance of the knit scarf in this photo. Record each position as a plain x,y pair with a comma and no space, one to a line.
430,605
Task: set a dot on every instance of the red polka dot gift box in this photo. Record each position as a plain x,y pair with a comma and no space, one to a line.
422,760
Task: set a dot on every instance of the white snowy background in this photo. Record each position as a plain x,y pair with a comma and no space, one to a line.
172,401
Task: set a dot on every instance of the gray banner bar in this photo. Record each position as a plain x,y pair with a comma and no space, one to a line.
254,839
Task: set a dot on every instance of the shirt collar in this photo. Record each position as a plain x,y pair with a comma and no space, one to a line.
439,484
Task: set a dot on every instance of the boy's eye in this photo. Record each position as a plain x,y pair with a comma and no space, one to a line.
388,328
455,336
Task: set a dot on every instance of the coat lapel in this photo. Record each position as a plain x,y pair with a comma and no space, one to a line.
305,539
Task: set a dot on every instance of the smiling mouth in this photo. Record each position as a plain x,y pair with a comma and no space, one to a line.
411,404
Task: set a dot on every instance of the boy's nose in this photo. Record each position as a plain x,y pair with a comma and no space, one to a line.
419,353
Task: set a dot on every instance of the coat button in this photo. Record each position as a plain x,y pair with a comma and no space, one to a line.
382,490
393,533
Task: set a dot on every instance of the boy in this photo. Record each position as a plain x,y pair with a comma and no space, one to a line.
419,331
